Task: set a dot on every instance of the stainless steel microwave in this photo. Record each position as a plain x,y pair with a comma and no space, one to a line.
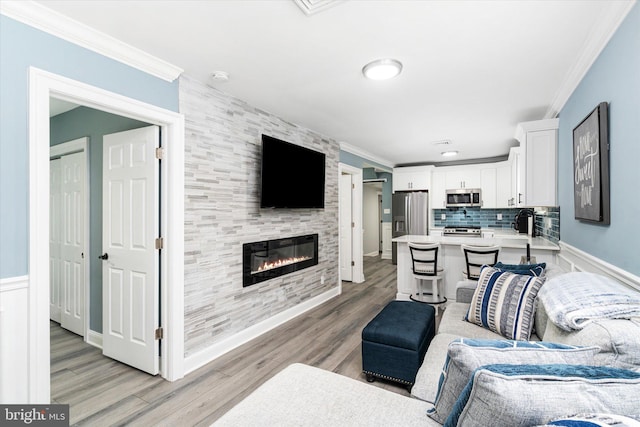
464,197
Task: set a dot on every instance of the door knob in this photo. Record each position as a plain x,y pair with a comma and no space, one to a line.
104,257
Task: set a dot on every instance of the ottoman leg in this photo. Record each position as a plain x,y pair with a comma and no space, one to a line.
370,378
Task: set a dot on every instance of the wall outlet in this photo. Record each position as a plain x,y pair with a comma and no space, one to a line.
386,211
443,217
322,279
499,217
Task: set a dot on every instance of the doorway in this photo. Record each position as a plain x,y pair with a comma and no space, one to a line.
42,86
350,229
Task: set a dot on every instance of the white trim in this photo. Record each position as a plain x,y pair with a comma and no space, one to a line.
69,147
14,283
42,86
345,146
201,358
574,259
599,36
41,17
356,213
94,338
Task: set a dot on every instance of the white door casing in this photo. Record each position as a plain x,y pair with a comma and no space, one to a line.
72,245
36,359
356,218
345,228
130,227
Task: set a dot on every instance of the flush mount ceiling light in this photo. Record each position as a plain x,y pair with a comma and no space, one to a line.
382,69
449,153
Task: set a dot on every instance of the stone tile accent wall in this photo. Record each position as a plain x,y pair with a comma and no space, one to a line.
222,167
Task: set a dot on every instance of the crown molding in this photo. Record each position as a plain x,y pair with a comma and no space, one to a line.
598,38
344,146
56,24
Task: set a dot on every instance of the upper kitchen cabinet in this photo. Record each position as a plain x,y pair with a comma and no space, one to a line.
504,187
536,164
463,177
438,190
412,178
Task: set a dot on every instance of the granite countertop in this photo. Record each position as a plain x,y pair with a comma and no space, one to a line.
506,241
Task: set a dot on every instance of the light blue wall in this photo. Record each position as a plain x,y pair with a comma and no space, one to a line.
78,123
22,46
387,187
613,78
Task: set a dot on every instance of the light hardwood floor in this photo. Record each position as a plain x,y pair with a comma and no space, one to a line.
101,391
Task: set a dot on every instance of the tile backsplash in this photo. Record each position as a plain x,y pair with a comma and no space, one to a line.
547,219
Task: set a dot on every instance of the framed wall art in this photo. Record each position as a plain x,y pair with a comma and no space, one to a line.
591,167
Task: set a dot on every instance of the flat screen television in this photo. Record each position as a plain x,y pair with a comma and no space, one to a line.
292,176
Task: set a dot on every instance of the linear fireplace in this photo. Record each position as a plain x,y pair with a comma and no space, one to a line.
272,258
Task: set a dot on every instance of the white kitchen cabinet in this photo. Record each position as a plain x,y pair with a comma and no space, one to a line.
463,177
537,163
488,185
438,190
504,189
412,178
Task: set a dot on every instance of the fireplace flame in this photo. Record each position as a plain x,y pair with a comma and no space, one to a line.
270,265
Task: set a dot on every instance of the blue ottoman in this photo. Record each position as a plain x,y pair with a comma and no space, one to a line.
395,341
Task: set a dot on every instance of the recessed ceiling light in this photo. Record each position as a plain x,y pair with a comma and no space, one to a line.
449,153
382,69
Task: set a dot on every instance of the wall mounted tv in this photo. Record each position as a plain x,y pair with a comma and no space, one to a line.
292,176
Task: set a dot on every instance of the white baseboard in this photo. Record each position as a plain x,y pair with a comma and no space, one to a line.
374,253
94,338
201,358
573,259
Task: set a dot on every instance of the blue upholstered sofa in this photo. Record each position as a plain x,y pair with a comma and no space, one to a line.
303,395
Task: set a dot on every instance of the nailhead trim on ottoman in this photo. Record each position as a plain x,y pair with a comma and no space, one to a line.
395,341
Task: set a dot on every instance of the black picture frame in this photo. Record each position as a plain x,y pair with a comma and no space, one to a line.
591,167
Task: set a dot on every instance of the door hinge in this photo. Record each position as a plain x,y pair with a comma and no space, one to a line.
353,225
159,333
353,263
353,186
159,243
159,153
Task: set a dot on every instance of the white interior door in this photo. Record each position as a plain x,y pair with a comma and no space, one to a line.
73,174
130,289
55,239
346,228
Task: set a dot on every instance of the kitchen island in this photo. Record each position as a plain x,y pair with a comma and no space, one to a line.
512,248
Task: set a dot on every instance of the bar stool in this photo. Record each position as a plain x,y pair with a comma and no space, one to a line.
475,257
424,265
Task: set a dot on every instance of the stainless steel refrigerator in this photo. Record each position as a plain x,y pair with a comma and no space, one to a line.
410,211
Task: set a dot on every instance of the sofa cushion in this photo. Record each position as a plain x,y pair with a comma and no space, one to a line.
594,420
465,355
426,383
504,303
618,339
302,395
453,323
535,394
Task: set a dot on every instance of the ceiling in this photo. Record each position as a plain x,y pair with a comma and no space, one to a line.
472,69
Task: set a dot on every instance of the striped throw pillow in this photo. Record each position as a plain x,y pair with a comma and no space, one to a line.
503,302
